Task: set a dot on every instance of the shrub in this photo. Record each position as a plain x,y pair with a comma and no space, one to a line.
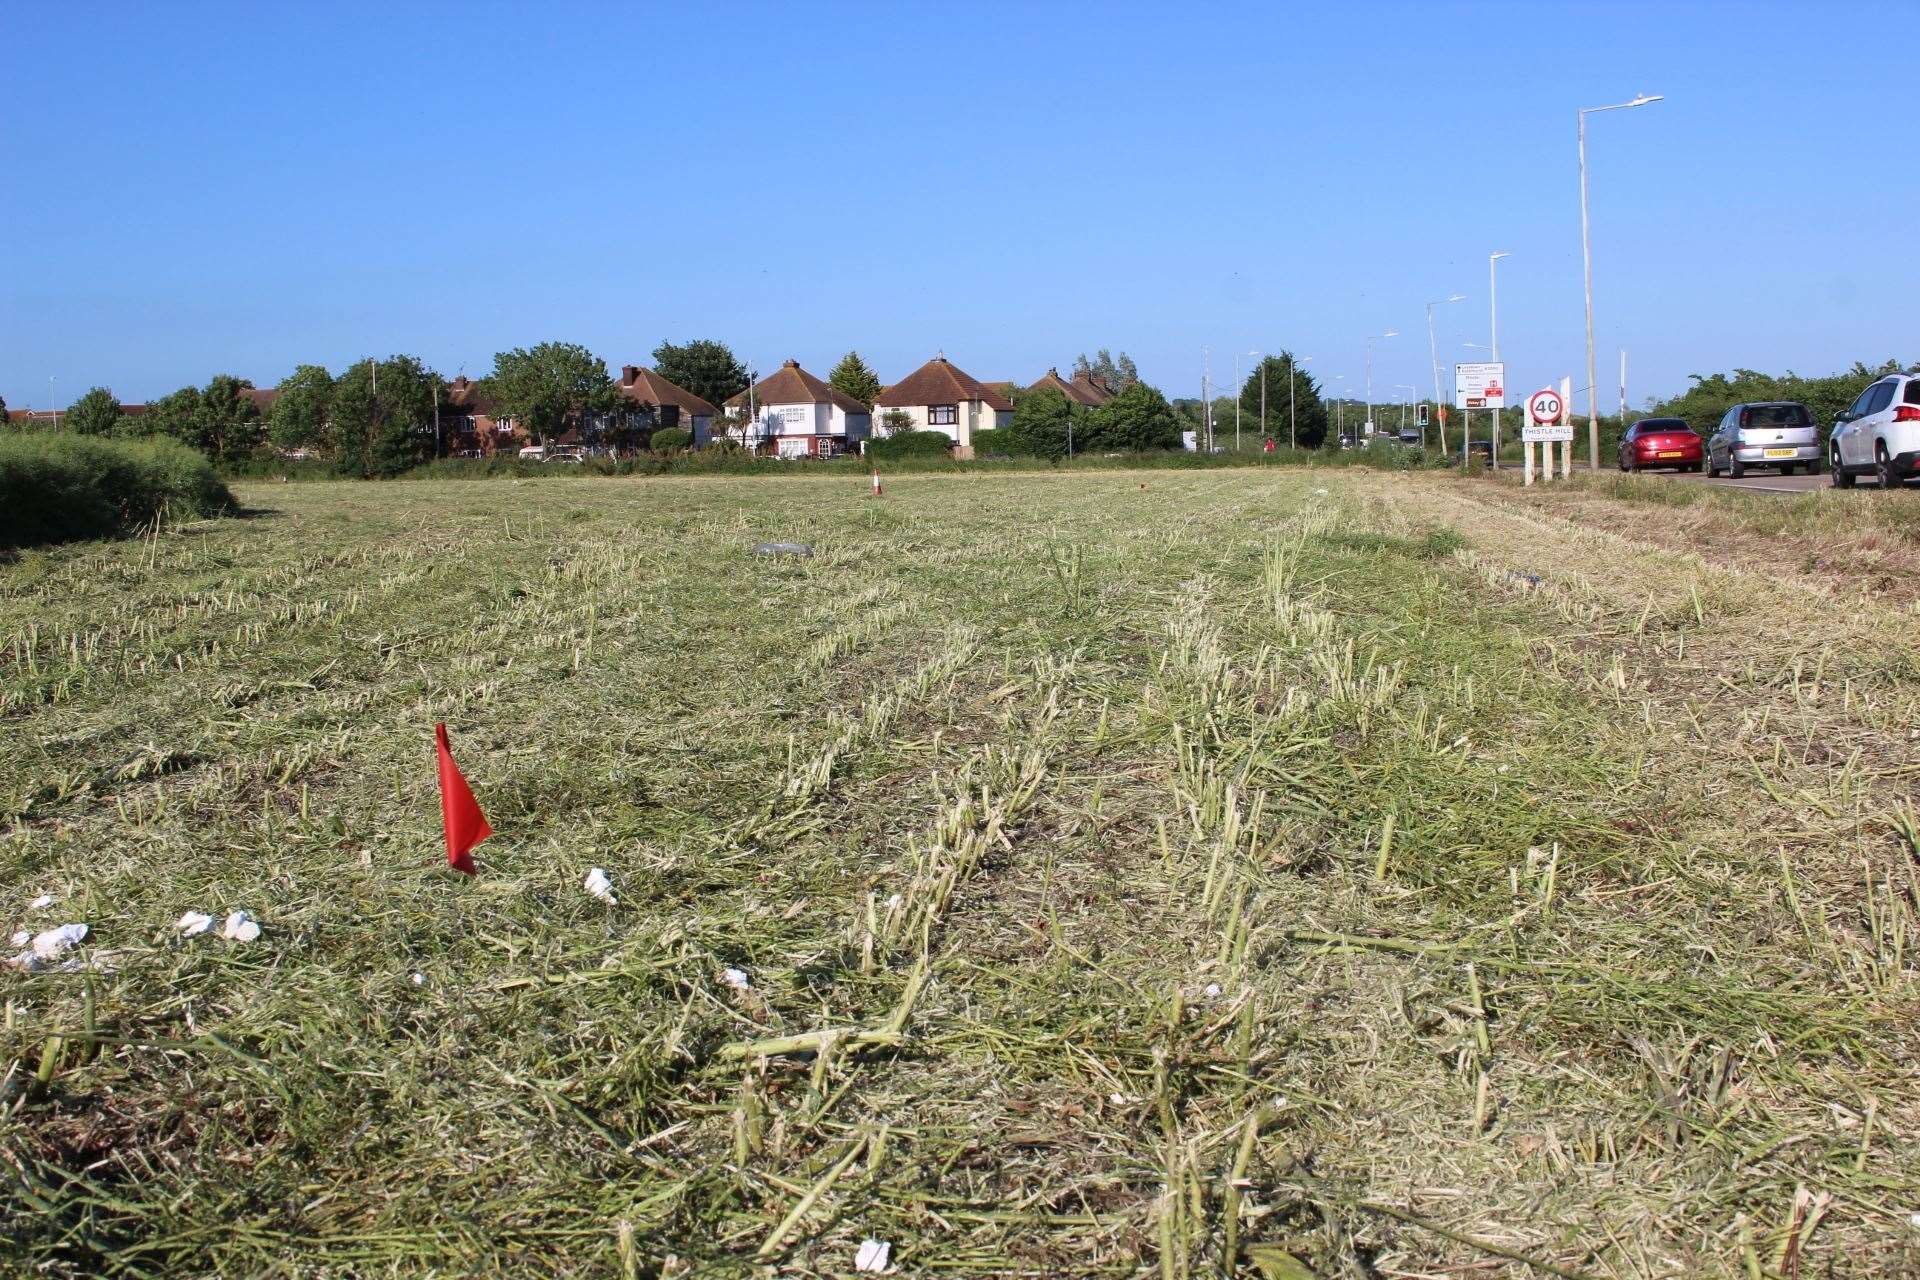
673,438
57,488
996,440
911,444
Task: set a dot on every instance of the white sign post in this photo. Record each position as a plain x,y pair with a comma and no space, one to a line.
1480,385
1547,423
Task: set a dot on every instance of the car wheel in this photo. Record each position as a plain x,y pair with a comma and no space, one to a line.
1735,468
1883,468
1837,475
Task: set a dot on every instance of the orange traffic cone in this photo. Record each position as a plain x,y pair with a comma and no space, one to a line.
876,482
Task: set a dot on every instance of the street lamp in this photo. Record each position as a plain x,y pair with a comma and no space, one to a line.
1293,369
1239,393
1391,333
1493,298
1339,410
1433,354
1586,257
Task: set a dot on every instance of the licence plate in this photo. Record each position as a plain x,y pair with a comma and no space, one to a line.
1670,453
1781,453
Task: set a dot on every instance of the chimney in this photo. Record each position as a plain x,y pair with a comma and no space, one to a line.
629,374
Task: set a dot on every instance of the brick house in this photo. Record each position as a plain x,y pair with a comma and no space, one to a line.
673,406
1088,389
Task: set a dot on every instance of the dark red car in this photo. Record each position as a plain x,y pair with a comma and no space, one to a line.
1662,442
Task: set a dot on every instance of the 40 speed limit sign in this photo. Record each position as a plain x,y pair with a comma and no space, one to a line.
1544,409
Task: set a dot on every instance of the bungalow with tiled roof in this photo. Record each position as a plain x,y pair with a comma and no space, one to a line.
1088,389
938,396
673,406
796,415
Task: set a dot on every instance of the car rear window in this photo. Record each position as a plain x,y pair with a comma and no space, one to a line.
1775,415
1913,392
1664,424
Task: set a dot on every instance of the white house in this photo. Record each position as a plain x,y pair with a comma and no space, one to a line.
940,397
798,416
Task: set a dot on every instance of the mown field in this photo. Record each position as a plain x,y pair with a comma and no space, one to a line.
1267,873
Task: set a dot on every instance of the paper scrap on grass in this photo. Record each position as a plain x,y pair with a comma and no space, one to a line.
241,927
735,978
40,903
193,924
872,1256
22,937
49,945
600,887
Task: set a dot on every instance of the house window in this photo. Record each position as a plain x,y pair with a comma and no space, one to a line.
943,415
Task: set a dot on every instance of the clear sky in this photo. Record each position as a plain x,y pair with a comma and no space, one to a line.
195,189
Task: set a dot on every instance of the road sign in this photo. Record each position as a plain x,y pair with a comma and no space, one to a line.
1544,406
1534,433
1480,386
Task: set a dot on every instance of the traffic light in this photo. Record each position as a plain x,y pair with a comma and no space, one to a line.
1422,419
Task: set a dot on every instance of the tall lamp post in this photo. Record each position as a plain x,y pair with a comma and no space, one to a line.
1293,424
1586,258
1391,333
1433,354
1493,323
1339,410
1401,386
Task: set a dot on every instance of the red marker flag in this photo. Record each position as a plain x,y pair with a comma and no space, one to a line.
466,825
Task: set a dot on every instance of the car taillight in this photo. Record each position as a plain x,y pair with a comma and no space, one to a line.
1906,413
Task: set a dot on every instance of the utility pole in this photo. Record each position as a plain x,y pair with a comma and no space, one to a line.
1206,397
1263,399
1239,394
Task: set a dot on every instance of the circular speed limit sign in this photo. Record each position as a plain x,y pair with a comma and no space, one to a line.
1544,406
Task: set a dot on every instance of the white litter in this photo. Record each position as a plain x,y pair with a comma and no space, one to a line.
1213,989
48,945
600,887
1319,493
872,1256
54,943
735,978
419,979
241,927
21,938
193,924
40,903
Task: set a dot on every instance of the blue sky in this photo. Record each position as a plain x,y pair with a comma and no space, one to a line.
196,189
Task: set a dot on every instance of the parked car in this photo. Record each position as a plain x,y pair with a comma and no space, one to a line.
1879,435
567,453
1480,452
1410,436
533,453
1772,433
1662,442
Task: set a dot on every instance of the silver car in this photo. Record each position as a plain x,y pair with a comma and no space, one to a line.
1773,433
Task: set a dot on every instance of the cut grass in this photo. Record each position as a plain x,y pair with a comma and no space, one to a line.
1135,874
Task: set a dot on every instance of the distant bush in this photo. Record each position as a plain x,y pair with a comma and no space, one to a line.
59,488
673,438
911,444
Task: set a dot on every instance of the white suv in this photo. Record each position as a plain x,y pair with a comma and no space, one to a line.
1880,435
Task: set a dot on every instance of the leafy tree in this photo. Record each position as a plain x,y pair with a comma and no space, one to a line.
898,422
381,425
538,387
174,415
852,377
298,419
704,367
1137,418
96,413
227,423
1117,372
1041,422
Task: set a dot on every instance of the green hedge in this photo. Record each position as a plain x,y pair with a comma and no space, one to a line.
672,438
58,488
911,444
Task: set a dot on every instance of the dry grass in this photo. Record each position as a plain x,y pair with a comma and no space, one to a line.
1267,873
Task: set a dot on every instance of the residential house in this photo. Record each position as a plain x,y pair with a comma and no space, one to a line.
939,396
1088,389
672,406
796,415
22,419
468,427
